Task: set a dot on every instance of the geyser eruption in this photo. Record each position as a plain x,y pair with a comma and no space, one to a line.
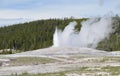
92,32
64,36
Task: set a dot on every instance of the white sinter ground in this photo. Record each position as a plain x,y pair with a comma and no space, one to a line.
66,57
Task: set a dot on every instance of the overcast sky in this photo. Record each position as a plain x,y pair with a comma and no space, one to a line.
13,11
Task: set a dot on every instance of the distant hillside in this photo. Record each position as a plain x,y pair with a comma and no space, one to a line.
39,34
32,35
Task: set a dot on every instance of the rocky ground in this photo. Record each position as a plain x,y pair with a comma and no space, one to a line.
68,61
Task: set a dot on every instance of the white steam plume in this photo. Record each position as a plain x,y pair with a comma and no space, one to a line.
92,32
101,2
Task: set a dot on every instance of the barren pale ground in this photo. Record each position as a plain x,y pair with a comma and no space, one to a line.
68,61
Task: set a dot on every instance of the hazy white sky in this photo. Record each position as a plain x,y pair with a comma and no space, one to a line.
43,9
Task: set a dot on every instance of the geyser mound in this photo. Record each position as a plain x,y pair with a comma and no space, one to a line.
92,32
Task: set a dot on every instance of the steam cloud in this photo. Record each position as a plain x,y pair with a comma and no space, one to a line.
101,2
92,32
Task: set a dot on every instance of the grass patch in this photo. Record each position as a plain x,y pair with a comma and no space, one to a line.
31,61
62,73
39,74
114,70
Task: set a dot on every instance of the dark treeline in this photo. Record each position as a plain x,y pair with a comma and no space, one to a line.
32,35
39,34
